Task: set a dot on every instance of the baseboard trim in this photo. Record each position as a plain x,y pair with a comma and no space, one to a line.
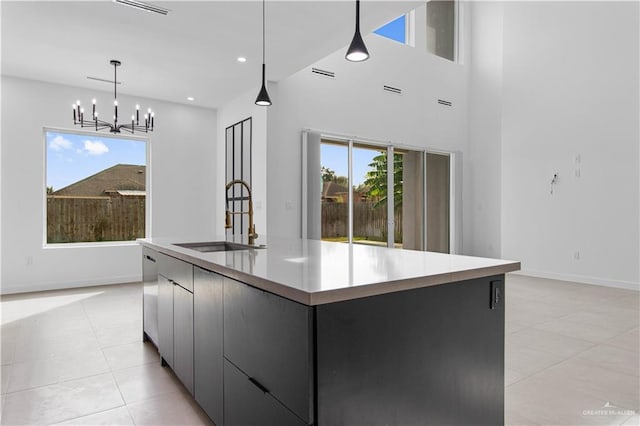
8,289
628,285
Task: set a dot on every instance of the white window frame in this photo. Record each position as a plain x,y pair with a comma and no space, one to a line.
457,16
147,207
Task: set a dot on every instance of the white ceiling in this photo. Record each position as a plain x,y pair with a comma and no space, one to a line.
190,52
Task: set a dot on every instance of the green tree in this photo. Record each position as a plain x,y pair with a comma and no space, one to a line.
328,175
376,180
342,180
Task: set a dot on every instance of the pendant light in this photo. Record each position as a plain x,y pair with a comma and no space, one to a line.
357,50
263,97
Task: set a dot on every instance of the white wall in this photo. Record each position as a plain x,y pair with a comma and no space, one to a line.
237,110
483,180
354,104
564,79
182,160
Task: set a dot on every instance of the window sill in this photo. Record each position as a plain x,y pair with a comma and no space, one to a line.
89,244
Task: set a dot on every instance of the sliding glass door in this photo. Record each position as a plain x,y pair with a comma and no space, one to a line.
356,194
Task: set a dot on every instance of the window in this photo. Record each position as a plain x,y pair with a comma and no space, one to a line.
238,166
394,30
95,187
441,28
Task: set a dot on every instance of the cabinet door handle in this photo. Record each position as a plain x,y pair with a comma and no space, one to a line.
150,258
258,385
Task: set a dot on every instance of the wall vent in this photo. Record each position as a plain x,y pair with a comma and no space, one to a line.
443,102
325,73
392,89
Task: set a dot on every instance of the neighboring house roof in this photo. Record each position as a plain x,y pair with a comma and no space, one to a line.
332,189
121,178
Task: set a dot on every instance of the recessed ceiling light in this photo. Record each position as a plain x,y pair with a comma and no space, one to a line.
242,59
191,98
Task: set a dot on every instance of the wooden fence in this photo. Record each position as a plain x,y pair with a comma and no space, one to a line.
369,223
88,219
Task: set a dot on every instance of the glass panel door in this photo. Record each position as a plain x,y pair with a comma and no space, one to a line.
409,199
334,168
438,202
370,197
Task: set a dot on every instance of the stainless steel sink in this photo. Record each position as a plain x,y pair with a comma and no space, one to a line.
211,246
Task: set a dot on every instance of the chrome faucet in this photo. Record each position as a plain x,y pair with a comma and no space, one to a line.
252,227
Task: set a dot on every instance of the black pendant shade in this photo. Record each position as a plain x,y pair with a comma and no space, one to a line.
357,50
263,97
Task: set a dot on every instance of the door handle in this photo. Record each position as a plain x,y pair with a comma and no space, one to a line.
258,385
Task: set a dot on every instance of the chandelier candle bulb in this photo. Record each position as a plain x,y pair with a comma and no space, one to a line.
137,114
74,113
94,107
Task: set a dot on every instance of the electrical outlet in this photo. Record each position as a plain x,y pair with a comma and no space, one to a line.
576,172
497,295
576,255
29,260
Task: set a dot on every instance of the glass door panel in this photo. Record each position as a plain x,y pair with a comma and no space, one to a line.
409,199
334,168
438,202
370,217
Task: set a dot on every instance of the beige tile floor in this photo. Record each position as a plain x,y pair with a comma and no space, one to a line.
571,354
76,357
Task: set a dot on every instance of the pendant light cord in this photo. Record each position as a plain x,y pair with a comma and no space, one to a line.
263,31
115,81
357,15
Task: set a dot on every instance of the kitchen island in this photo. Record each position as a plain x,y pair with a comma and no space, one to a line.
310,332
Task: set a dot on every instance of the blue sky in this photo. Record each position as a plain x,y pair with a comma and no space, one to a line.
72,157
395,30
335,157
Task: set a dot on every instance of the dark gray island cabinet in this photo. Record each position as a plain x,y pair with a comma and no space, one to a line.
426,355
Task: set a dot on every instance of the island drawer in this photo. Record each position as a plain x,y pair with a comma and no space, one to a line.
247,402
270,339
176,270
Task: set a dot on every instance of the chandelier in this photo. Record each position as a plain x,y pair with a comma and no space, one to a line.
115,126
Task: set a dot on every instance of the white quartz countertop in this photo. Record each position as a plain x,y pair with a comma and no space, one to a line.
315,272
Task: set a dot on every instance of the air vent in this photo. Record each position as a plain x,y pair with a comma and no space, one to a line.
104,80
443,102
148,7
325,73
392,89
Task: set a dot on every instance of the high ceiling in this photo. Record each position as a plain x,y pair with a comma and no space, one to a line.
192,51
